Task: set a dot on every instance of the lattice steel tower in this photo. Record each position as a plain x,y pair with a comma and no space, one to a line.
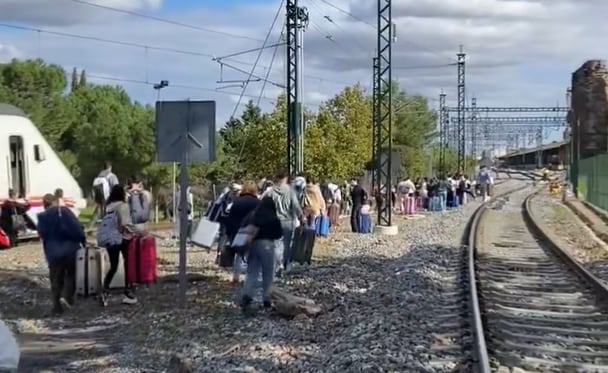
461,119
474,130
297,20
375,95
383,125
443,132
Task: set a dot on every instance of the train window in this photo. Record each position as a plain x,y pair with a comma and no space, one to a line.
38,153
18,166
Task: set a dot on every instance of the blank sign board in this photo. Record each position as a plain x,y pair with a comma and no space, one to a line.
185,128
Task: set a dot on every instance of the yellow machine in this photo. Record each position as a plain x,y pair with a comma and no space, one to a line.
555,187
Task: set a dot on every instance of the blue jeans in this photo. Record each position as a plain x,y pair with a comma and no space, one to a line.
284,246
261,260
240,266
443,194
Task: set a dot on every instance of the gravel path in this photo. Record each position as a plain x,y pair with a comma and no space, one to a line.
388,306
573,233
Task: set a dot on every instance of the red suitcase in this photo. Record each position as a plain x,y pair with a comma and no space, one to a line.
141,260
5,242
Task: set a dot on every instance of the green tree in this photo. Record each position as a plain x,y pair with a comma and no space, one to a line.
414,132
82,82
114,129
74,80
339,143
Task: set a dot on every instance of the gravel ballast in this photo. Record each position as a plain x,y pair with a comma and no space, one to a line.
573,234
389,305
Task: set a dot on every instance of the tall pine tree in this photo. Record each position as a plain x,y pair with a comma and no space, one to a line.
74,80
83,79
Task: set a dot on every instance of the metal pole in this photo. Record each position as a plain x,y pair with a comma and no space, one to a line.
384,125
183,231
183,218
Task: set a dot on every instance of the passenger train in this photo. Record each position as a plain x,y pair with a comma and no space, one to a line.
31,167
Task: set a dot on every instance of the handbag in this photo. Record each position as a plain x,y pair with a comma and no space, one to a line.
18,220
242,240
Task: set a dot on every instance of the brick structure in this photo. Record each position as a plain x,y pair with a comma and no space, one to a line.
589,115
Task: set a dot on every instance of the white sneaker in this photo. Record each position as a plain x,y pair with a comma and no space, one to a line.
129,300
65,303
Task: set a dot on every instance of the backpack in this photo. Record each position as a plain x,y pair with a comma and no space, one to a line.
109,233
139,207
462,185
101,189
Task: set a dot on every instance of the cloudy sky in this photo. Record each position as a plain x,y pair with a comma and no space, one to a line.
519,52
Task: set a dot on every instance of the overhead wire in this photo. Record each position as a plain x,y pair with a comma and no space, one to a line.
144,47
268,71
178,86
189,26
358,19
347,13
113,41
337,26
257,59
265,81
163,20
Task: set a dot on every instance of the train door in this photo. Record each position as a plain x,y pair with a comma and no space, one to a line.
17,166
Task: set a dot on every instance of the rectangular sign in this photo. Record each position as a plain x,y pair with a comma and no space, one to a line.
185,127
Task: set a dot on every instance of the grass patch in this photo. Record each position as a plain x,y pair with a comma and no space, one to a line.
86,215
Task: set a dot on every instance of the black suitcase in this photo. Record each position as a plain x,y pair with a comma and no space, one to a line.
226,257
303,245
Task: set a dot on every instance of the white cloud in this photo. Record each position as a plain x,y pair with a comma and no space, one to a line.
66,12
518,52
8,52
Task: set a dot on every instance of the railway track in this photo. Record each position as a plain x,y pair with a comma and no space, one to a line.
533,307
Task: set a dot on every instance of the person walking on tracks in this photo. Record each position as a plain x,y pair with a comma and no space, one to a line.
289,212
102,185
62,235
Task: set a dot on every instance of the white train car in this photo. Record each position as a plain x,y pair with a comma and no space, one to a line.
29,165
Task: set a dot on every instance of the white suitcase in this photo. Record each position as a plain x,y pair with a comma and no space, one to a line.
206,233
92,264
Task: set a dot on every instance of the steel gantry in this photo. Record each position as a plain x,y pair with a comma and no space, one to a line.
482,129
383,121
296,23
516,131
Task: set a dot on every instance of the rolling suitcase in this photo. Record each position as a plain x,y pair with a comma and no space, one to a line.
206,233
303,245
227,257
5,242
92,263
322,225
141,260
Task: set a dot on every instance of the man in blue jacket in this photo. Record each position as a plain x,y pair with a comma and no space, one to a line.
61,235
